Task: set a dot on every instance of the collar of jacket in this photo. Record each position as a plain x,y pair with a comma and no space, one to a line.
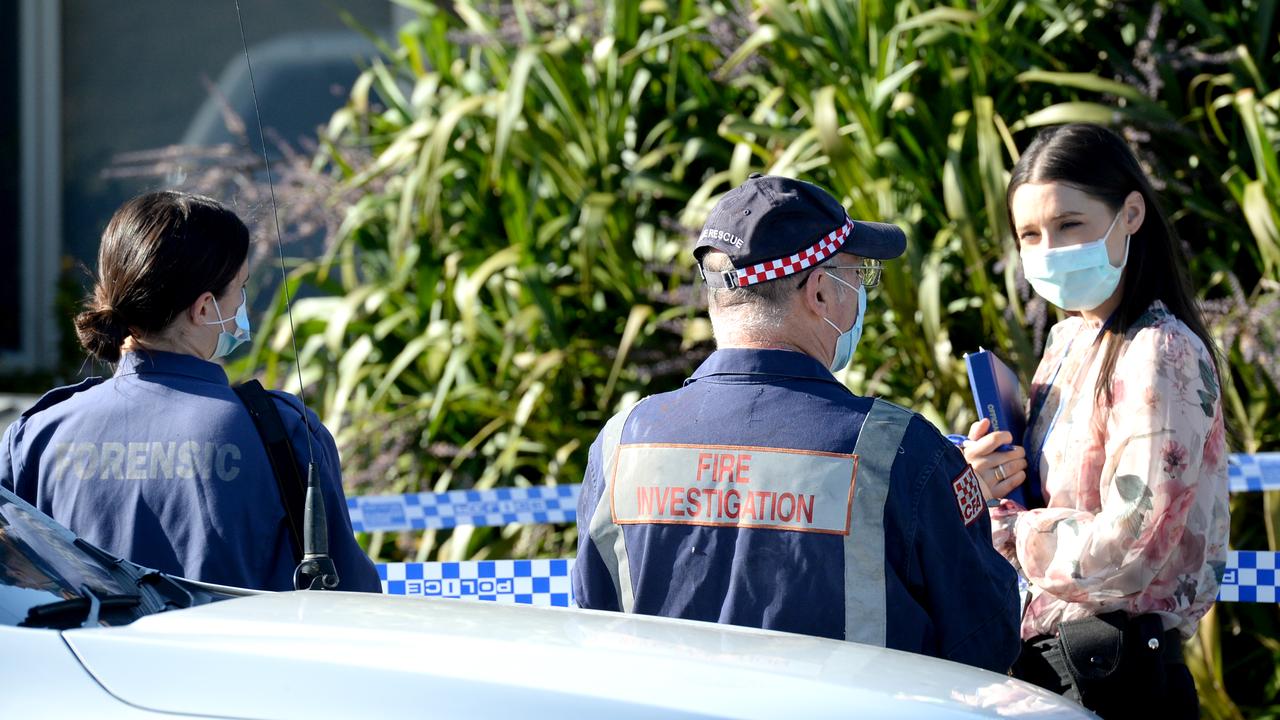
151,362
752,365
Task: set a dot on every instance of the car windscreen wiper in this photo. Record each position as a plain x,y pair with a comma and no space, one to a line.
160,592
83,611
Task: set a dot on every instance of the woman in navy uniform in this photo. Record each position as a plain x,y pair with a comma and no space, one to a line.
161,463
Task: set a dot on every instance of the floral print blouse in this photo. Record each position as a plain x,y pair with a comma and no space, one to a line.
1136,490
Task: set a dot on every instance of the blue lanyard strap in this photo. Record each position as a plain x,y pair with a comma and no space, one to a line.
1033,464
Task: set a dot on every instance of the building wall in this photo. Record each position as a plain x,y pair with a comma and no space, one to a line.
10,166
133,80
123,77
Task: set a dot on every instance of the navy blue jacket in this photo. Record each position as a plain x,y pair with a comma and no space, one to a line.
161,464
948,593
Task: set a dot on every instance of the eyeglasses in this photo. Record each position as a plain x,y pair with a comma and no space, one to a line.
868,272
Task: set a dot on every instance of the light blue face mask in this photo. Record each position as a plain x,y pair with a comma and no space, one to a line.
1077,277
848,340
227,342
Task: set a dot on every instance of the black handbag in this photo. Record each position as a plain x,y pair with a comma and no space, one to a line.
1116,662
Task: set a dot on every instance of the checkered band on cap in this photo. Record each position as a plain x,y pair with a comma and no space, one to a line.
826,246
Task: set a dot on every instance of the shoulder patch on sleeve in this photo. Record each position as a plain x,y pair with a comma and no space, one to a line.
968,495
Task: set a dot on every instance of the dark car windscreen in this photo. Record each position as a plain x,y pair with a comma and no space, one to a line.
40,564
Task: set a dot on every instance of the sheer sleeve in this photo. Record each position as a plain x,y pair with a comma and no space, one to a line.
1004,521
1165,406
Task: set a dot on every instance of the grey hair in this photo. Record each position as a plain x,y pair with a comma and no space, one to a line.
763,306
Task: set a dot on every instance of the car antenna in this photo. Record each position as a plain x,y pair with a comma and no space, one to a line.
316,571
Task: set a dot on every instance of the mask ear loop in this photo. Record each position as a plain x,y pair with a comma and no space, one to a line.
220,322
1125,261
1127,237
855,293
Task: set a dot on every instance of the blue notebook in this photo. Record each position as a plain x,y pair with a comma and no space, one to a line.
997,394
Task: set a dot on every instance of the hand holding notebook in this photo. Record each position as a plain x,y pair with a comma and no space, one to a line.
997,395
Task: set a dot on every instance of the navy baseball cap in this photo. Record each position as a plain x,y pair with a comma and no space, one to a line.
772,227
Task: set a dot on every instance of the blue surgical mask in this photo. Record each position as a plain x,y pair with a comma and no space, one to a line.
228,342
1077,277
848,340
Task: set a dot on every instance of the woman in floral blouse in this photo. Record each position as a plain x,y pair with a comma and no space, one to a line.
1125,430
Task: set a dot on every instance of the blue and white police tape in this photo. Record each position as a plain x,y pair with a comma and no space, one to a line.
477,508
557,504
1249,577
527,582
1253,473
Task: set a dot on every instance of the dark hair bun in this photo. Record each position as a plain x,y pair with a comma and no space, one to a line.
159,253
101,332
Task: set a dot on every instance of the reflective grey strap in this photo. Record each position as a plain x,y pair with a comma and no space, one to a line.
604,533
865,612
719,280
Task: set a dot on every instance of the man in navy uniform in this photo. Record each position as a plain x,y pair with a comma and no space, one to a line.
764,493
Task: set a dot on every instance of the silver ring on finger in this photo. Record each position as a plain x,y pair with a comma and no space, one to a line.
1000,473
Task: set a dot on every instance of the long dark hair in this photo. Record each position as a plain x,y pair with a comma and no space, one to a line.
1096,161
159,253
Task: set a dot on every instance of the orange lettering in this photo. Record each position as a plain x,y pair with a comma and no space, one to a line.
695,505
731,497
791,506
663,497
726,468
806,510
644,499
749,505
703,465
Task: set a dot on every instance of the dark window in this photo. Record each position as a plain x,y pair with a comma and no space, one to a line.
42,567
10,173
